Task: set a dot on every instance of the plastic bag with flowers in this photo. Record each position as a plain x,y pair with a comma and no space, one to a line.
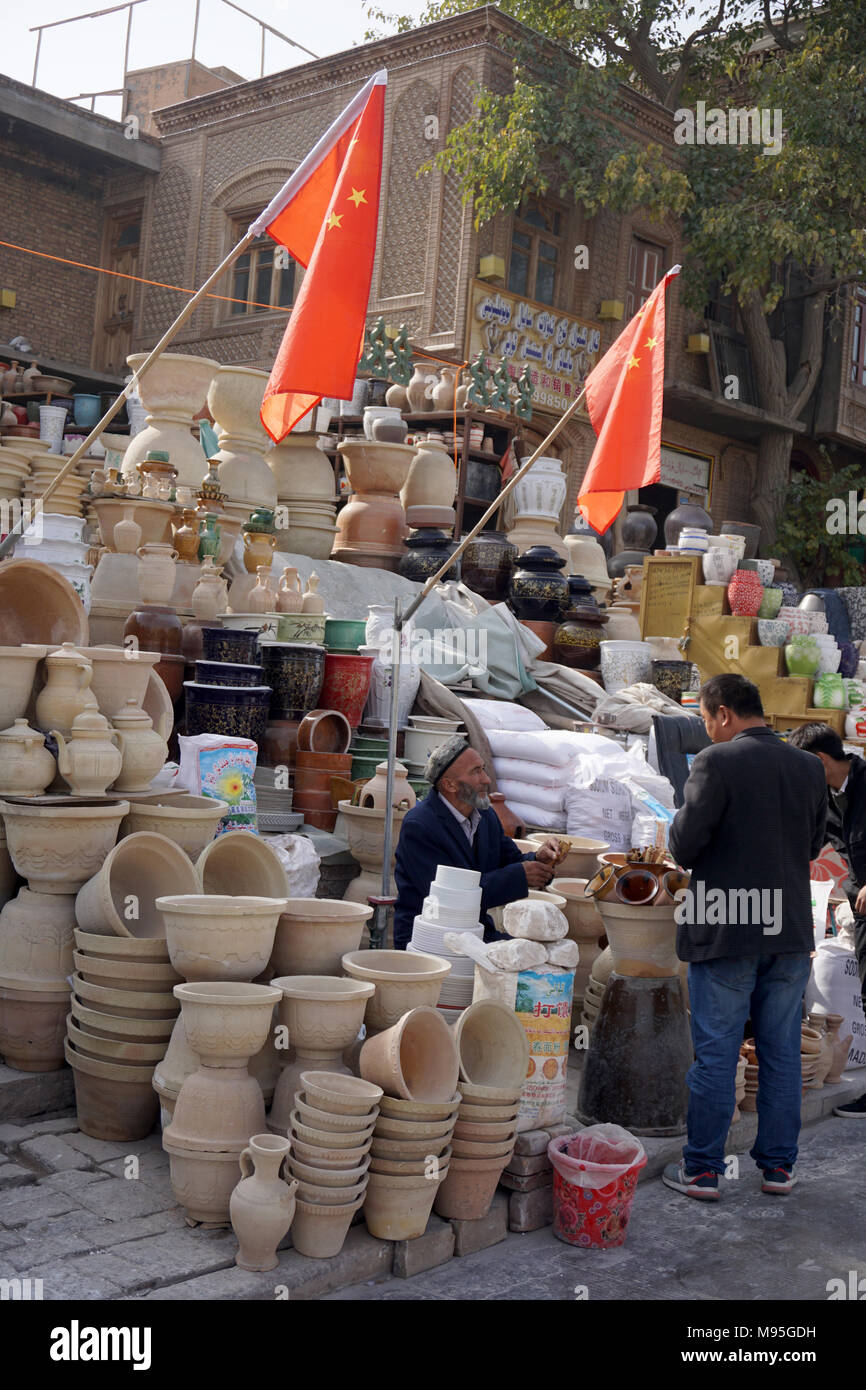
224,768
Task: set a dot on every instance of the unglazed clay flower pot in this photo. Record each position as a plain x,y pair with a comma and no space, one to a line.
485,1148
313,935
262,1205
17,674
36,941
327,1120
202,1181
410,1167
330,1159
32,1027
120,674
226,1021
121,898
136,975
642,940
212,937
340,1095
584,922
336,1178
488,1114
118,1029
330,1196
398,1208
216,1109
323,1015
38,605
492,1045
127,1054
468,1188
319,1231
416,1059
402,982
434,1112
409,1150
125,1003
488,1095
581,861
239,862
58,848
120,948
329,1138
190,822
113,1102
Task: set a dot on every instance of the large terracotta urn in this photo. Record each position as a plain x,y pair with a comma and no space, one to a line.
234,401
172,392
432,480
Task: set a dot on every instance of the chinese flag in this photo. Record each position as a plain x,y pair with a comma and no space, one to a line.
624,399
326,215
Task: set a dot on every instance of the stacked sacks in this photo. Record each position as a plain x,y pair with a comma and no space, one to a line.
331,1131
452,905
415,1063
493,1053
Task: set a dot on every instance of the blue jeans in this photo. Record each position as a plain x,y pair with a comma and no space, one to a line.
724,994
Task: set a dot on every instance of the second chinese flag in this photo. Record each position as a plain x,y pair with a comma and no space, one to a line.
326,215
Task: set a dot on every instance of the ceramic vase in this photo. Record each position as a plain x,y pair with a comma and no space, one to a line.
432,480
156,573
289,596
419,388
262,598
172,391
262,1205
541,492
802,655
487,564
445,389
235,399
745,593
538,591
66,692
127,533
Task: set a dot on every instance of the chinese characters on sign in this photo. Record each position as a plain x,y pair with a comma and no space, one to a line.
559,350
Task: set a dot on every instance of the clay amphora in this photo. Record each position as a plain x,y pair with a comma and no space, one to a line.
209,595
262,598
259,547
444,390
417,389
289,596
26,766
89,762
67,689
127,533
312,601
185,537
262,1205
156,574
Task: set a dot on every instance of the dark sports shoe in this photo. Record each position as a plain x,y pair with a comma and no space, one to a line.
779,1180
853,1109
704,1186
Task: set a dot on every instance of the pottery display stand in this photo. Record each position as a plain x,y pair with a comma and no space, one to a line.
365,831
323,1015
234,399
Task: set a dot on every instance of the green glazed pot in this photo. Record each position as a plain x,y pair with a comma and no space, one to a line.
345,634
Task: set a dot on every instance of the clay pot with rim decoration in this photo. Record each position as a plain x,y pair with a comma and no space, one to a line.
323,1015
398,1207
320,1231
416,1059
432,478
402,981
120,898
36,940
190,822
26,766
211,937
58,848
313,935
262,1205
238,862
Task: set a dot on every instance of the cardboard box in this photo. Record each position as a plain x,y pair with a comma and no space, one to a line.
708,601
712,649
787,695
834,717
761,665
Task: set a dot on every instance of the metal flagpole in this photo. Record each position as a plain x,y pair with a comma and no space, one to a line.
7,544
401,618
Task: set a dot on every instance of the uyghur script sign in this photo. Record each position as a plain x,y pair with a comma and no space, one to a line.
559,350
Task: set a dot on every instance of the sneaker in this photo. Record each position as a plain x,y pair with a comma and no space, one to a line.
853,1110
778,1180
704,1186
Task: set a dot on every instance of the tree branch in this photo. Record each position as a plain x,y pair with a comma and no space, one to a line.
779,32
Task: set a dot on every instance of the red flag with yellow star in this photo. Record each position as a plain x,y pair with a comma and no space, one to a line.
326,215
624,397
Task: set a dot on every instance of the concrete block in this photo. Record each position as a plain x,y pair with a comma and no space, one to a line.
520,1167
13,1175
53,1153
24,1094
471,1236
434,1248
532,1141
119,1199
30,1203
529,1184
529,1211
30,1129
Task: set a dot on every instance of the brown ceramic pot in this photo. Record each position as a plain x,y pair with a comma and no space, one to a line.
113,1102
33,1027
324,731
507,819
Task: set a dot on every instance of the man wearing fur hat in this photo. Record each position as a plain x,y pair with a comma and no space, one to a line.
456,825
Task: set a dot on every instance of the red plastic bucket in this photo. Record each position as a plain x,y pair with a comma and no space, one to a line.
594,1177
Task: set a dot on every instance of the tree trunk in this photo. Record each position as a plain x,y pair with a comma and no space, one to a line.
770,487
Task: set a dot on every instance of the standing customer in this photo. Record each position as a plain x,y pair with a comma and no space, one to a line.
846,830
752,820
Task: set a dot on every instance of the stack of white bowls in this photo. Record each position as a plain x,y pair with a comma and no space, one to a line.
831,653
803,619
693,540
453,904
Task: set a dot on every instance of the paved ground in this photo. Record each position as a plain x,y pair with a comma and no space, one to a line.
747,1246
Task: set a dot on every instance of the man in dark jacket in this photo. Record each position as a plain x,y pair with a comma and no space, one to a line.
752,820
846,831
455,825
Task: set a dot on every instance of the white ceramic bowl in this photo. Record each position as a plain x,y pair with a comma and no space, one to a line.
448,877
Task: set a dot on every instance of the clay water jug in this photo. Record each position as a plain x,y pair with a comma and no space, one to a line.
209,535
89,761
156,573
209,595
462,392
445,388
127,533
289,596
185,536
313,601
262,598
259,547
143,749
262,1206
417,389
66,692
26,766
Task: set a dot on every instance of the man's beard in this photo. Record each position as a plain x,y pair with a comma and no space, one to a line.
471,796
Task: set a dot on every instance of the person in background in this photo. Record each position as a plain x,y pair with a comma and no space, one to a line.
846,831
752,819
456,825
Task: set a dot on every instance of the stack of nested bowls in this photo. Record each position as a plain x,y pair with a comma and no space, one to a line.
66,499
322,754
415,1063
493,1052
331,1131
120,1022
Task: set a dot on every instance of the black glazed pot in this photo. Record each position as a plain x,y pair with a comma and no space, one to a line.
237,711
227,673
639,529
580,593
538,591
487,564
230,644
427,549
294,671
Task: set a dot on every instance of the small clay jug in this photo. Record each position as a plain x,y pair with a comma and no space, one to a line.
511,826
259,547
289,596
262,1206
26,766
143,750
66,692
209,595
313,601
127,533
417,390
185,537
262,598
209,536
445,389
156,573
90,761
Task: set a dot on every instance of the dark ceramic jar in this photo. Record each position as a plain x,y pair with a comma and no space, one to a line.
639,529
577,640
537,590
427,549
156,628
237,711
227,673
580,593
230,644
294,671
487,564
671,677
686,513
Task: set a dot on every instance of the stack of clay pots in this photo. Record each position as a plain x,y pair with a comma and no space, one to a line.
321,1016
493,1052
371,527
830,1025
66,499
55,849
596,984
331,1132
452,905
817,1056
415,1063
123,1009
304,477
322,755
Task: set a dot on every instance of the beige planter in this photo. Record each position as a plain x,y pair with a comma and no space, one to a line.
8,876
216,1109
389,1128
190,822
328,1138
119,1029
226,1021
58,848
323,1016
492,1045
411,1167
122,1053
398,1208
113,1102
121,898
314,934
642,940
126,1003
336,1178
172,391
330,1196
328,1121
213,937
402,982
262,1205
239,862
486,1131
432,480
584,921
300,469
137,975
488,1114
152,516
414,1060
468,1188
340,1095
17,675
329,1159
406,1150
489,1095
234,400
122,948
581,860
365,831
120,674
376,467
36,941
202,1182
32,1027
320,1231
425,1111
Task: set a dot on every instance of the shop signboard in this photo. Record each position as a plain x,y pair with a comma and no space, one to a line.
686,472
